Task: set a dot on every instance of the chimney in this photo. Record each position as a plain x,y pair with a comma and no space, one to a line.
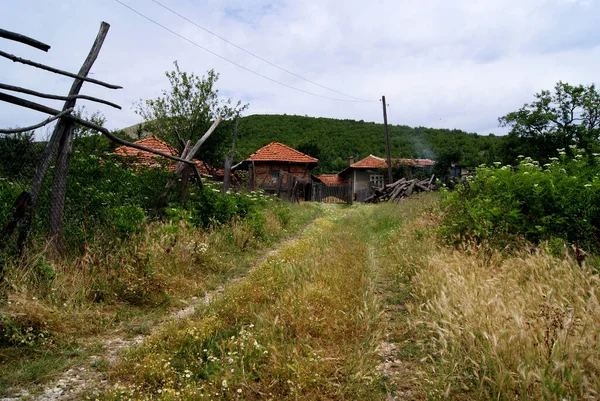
350,160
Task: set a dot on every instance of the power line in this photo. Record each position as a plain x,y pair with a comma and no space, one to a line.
233,62
257,56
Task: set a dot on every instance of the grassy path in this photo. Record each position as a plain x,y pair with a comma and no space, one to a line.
309,323
303,325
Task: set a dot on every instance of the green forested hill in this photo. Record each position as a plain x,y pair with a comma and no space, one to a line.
332,140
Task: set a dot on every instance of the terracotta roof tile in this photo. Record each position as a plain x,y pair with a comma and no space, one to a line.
276,151
413,162
144,157
370,162
150,159
330,179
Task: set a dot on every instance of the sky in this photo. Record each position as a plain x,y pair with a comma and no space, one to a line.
445,64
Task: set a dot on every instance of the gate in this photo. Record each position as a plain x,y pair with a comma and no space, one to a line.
331,193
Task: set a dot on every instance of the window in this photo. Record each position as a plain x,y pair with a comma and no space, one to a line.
274,177
376,180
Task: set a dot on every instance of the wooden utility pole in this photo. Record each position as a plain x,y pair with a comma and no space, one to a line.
387,141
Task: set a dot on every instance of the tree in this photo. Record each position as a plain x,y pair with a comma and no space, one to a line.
19,155
568,116
87,141
186,111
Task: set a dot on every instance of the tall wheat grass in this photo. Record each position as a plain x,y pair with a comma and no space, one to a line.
519,327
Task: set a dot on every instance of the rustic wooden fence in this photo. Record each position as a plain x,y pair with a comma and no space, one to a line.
293,189
332,193
59,145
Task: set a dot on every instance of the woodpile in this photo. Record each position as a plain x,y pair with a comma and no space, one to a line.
401,189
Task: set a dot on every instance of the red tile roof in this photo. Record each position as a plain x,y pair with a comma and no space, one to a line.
413,162
330,179
144,157
370,162
150,159
276,151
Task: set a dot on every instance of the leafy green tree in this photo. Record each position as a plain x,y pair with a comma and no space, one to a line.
444,161
187,109
19,155
568,116
90,142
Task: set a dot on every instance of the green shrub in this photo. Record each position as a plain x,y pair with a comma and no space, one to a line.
22,331
210,206
9,191
127,220
559,200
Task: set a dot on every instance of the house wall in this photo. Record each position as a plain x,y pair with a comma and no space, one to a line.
266,173
361,180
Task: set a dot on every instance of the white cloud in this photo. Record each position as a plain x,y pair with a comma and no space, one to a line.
458,64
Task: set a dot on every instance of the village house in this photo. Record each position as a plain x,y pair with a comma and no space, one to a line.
276,166
367,174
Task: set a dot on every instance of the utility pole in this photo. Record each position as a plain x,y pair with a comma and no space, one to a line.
387,140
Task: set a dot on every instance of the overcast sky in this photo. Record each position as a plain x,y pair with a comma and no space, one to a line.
452,64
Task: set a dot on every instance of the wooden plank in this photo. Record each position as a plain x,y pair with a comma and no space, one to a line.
48,110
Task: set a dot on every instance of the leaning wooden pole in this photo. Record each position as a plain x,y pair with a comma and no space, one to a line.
65,130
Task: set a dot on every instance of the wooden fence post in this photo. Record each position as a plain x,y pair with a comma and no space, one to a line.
65,130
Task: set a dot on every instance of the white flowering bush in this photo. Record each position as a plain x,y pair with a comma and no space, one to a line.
557,200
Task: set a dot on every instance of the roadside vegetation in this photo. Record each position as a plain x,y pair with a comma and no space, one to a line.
129,261
504,297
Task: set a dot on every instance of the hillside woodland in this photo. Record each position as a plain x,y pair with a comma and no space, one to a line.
332,141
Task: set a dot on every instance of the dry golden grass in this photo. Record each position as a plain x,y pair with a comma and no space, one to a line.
519,327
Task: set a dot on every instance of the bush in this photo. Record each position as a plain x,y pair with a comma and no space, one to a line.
210,206
556,201
127,220
9,191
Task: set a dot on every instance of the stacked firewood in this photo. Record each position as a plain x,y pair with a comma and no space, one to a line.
401,189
